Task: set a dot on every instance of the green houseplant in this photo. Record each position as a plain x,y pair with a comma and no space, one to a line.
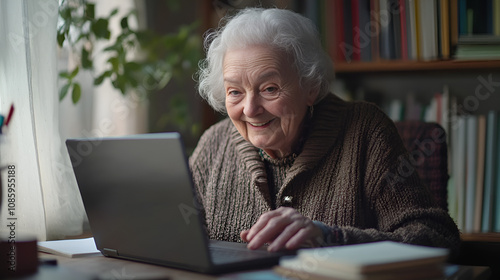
163,58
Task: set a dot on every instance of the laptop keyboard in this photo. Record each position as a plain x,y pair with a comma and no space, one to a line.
223,254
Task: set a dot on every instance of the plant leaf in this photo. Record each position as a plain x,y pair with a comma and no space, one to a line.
76,94
100,28
113,12
101,77
64,74
74,72
115,63
86,62
124,22
90,10
64,91
60,38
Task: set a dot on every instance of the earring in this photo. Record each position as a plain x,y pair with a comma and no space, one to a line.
311,111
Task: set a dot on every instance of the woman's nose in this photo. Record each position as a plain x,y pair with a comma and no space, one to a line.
253,105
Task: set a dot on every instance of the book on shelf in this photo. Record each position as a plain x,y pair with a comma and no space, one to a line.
411,30
459,148
470,182
489,171
444,25
496,213
478,38
377,260
481,142
369,30
473,156
428,31
496,17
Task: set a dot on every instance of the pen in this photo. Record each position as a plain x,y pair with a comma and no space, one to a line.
9,116
1,122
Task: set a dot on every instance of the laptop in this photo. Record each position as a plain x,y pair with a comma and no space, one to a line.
140,201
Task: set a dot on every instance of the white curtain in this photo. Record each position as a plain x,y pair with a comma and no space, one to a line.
104,110
47,202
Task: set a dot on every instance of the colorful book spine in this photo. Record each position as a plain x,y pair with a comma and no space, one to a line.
470,188
411,26
496,213
365,40
386,35
404,29
444,20
428,29
489,171
339,30
460,169
481,141
356,31
496,17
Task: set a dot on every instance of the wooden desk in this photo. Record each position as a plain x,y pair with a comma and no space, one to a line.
100,267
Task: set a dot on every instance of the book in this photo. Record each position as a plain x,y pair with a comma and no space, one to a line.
376,260
347,45
339,37
462,17
375,29
489,171
356,31
386,37
453,24
411,34
444,19
396,29
496,211
295,269
481,141
428,30
496,17
459,167
471,159
366,33
452,138
70,248
404,29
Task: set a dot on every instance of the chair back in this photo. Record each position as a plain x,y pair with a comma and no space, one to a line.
426,143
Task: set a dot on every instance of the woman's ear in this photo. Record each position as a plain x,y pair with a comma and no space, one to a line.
312,95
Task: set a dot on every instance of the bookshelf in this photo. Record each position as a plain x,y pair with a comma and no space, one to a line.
376,78
409,66
390,50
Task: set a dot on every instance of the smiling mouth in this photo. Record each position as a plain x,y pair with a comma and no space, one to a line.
260,124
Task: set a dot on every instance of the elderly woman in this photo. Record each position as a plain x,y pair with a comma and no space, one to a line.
294,165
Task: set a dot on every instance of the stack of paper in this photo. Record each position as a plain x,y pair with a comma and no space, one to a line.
71,248
378,260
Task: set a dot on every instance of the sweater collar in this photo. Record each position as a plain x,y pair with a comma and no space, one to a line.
328,120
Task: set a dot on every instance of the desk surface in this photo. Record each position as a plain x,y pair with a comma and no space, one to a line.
100,267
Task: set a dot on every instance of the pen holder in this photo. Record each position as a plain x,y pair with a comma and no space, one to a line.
18,256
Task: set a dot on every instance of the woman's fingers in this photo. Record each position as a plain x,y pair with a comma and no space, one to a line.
281,228
261,223
286,235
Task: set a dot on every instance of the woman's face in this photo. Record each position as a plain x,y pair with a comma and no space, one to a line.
264,98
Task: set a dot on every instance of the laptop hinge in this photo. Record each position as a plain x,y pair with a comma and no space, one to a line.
109,252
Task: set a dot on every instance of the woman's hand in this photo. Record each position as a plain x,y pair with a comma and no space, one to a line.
282,228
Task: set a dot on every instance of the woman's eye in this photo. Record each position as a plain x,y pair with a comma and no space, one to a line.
233,92
270,89
270,93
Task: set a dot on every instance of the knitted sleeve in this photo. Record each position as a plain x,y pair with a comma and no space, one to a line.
404,208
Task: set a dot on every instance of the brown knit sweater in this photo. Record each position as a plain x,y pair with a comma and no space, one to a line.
343,177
